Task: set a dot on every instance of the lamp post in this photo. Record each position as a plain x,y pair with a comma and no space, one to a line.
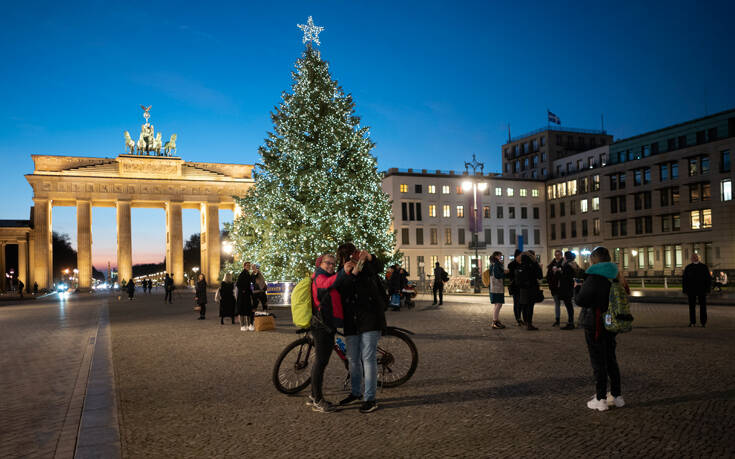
474,185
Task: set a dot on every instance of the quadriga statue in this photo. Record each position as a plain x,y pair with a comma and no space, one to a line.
129,144
170,145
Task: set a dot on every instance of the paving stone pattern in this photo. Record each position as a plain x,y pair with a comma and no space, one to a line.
190,388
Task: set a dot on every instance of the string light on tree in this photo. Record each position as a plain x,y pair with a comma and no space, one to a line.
317,183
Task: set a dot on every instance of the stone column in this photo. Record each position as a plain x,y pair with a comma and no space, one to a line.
210,244
174,242
84,244
23,262
124,243
3,269
42,257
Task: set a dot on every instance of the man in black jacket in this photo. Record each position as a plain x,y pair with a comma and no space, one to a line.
439,276
364,321
695,284
513,287
245,299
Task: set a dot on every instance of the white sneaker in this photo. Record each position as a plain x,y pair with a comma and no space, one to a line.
595,404
243,328
617,401
251,328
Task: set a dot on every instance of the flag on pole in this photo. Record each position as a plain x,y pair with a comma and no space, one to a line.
553,118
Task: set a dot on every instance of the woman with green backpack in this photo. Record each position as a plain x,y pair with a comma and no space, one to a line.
593,296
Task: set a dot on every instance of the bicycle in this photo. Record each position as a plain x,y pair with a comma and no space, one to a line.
292,371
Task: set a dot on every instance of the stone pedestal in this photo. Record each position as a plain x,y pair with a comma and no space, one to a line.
42,265
84,244
174,242
124,243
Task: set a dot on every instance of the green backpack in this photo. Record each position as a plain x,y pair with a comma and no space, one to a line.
617,318
301,303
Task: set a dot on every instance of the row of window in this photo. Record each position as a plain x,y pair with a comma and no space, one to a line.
698,219
697,165
584,206
446,189
670,196
448,234
569,188
673,143
573,229
411,211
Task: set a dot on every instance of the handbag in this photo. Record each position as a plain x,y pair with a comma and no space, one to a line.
539,297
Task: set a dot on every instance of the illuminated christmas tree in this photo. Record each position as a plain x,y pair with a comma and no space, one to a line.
317,184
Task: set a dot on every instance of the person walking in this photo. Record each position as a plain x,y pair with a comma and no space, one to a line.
245,299
327,315
130,287
696,284
565,289
553,274
168,288
364,322
527,275
593,297
21,286
260,289
200,295
513,289
439,276
226,296
497,274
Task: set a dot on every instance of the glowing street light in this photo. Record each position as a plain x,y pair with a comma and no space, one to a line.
227,247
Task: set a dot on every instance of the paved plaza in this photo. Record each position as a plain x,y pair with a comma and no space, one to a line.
189,388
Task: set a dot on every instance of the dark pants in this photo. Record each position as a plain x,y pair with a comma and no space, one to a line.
168,295
517,308
528,313
323,345
567,304
439,287
262,298
131,294
203,309
702,309
604,362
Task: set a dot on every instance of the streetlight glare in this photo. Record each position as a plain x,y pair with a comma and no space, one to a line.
467,185
482,186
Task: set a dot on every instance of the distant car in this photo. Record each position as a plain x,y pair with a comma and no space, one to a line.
62,287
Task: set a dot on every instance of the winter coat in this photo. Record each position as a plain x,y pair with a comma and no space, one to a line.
259,284
244,292
552,276
201,292
439,274
130,286
696,279
594,294
496,278
527,276
226,296
512,268
327,301
565,289
395,282
362,301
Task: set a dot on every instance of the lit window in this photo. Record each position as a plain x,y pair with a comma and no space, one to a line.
523,192
445,189
404,188
432,210
431,189
583,206
498,191
509,192
726,190
448,236
460,211
695,219
595,203
572,187
534,193
707,218
447,210
459,189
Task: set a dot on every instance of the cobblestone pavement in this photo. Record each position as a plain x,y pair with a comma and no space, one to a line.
43,345
192,388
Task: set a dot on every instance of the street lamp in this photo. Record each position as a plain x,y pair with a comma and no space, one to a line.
227,247
474,185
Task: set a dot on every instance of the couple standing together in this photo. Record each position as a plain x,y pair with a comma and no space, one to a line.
346,293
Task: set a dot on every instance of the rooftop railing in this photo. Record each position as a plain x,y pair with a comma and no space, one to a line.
558,129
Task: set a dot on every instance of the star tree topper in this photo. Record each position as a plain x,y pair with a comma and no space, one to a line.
311,32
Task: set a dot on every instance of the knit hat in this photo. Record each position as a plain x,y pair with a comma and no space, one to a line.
569,256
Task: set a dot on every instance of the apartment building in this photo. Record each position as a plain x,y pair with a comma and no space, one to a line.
432,211
653,199
531,155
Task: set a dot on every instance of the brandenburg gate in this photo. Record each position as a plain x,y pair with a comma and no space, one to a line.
147,178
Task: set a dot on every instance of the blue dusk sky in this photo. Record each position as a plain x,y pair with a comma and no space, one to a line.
435,80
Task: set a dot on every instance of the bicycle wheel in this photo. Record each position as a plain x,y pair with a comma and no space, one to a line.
397,358
292,372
